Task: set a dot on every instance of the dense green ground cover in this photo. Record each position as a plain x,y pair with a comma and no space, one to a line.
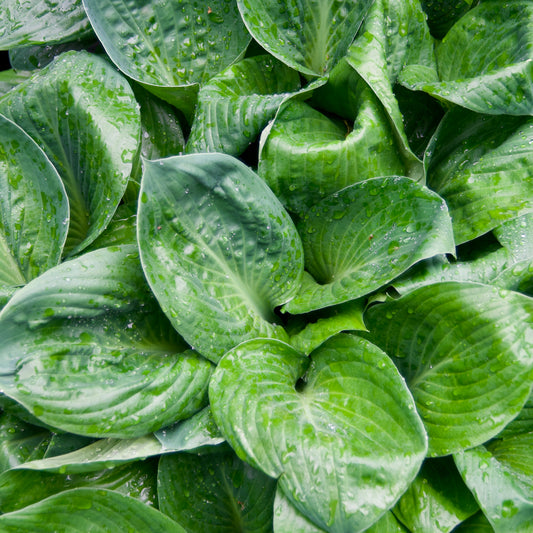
266,266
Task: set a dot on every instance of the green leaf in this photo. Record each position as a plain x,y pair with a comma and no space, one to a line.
479,165
235,106
359,239
218,249
442,14
500,475
34,209
475,524
19,488
523,423
87,350
484,61
215,493
10,78
345,440
516,235
85,509
89,129
170,47
393,35
306,155
41,21
437,500
307,36
465,351
196,433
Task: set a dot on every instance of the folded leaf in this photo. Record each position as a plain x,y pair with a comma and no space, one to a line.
218,249
344,440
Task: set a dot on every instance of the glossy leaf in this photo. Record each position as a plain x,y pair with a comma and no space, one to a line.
464,349
442,14
215,493
235,106
359,239
437,500
23,23
10,78
88,509
34,210
500,475
171,47
516,235
306,156
87,350
475,524
307,36
218,249
479,165
89,129
19,488
345,440
484,61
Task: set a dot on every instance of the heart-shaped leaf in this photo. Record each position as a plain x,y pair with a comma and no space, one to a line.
465,351
307,36
484,61
89,129
215,493
34,208
170,47
87,350
345,443
90,510
359,239
218,249
236,105
479,165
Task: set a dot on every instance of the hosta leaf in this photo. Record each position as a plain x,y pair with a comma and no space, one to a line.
479,165
437,500
87,350
306,155
288,520
465,351
122,229
306,35
516,235
236,105
393,35
357,240
41,21
475,524
345,441
484,61
523,423
10,78
217,248
442,14
171,47
86,509
197,432
33,208
500,475
19,488
89,128
215,493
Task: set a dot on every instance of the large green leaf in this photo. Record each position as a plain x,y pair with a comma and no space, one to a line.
11,78
217,248
306,155
475,524
84,116
86,509
34,209
87,350
359,239
437,500
465,351
19,487
307,35
171,47
216,493
393,35
41,21
500,475
516,235
480,165
484,61
442,14
236,105
344,439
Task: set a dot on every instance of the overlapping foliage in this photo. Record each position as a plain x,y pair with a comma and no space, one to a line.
266,266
